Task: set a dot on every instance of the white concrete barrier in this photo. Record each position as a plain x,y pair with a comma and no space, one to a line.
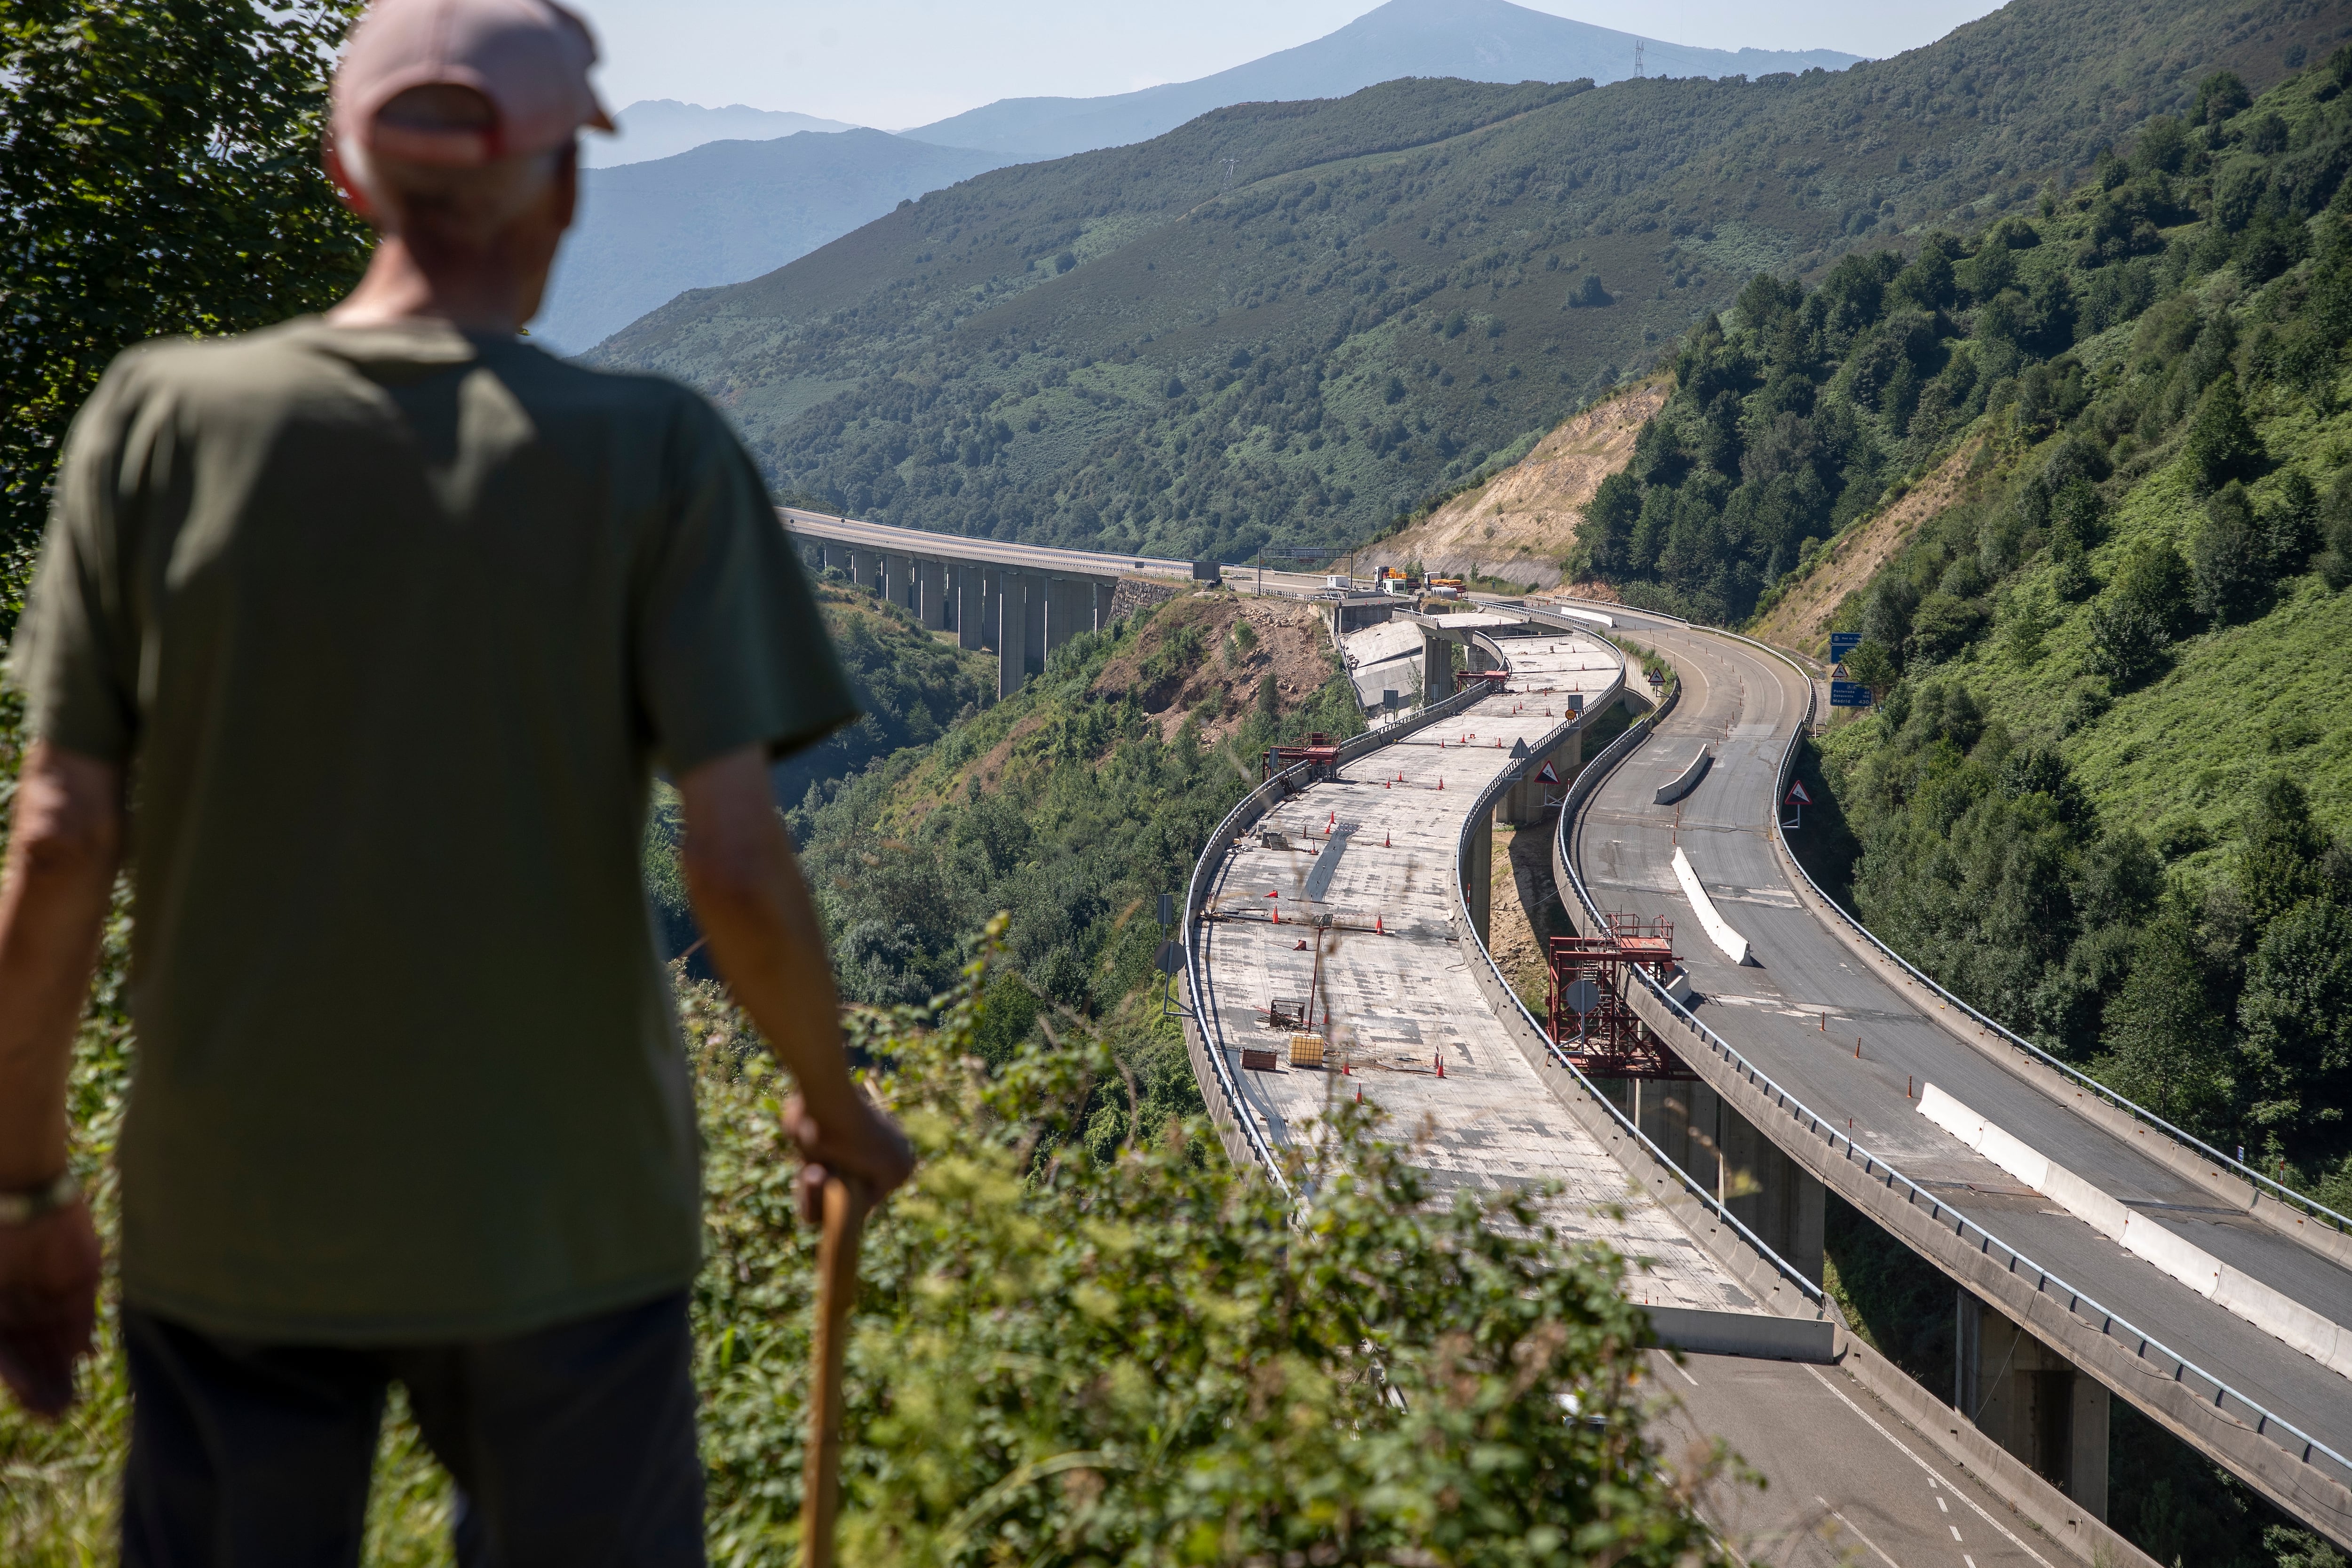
1757,1336
1682,783
1734,945
2273,1312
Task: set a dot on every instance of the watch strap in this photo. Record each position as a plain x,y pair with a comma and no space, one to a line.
25,1208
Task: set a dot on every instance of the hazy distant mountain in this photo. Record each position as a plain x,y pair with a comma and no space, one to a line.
655,128
1477,40
724,212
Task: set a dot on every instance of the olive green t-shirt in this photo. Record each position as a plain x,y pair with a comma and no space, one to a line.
391,627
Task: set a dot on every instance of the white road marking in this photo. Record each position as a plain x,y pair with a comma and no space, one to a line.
1923,1464
1955,1530
1941,1504
1858,1535
1686,1376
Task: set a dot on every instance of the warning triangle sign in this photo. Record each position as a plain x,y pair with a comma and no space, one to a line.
1797,795
1545,774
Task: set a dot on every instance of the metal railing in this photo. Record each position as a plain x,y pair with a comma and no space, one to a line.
2078,1305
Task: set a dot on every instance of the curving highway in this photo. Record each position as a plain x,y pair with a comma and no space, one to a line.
1797,1010
1373,852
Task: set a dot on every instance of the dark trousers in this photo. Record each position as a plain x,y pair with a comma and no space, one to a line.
570,1446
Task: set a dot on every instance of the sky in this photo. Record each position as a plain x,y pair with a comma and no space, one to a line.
902,63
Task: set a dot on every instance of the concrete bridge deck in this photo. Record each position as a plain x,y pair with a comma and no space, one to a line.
1377,845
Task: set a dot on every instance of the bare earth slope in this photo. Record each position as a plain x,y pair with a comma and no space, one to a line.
1801,617
1521,524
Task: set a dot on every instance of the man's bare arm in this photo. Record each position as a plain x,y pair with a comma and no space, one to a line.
769,944
63,844
63,847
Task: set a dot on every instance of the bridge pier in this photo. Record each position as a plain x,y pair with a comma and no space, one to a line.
1034,590
968,584
1771,1195
1104,594
1005,616
931,588
1070,610
2031,1400
1436,668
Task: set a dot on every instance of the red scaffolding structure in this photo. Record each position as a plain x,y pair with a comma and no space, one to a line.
1606,1039
1318,747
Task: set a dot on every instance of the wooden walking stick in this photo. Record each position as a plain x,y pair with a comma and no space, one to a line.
836,1292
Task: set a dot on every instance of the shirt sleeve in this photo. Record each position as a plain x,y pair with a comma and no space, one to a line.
74,654
731,648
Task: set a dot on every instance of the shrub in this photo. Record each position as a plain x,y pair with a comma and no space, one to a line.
2227,558
2222,445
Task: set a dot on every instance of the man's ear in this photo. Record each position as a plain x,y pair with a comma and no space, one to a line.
348,189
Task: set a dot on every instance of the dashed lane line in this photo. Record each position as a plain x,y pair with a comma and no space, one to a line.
1929,1468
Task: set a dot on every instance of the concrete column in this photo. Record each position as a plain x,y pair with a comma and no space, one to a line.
1104,594
1437,669
970,607
1032,622
864,569
2086,1467
1479,879
2030,1400
1009,614
1475,657
930,585
1070,610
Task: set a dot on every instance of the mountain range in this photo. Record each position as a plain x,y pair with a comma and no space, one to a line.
1475,40
645,238
1298,321
655,128
723,212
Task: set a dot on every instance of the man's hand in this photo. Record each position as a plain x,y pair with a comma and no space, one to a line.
870,1152
49,1302
768,942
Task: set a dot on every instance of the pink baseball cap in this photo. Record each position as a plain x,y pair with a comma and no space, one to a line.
528,58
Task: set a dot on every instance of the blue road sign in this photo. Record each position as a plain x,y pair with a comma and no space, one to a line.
1843,644
1849,694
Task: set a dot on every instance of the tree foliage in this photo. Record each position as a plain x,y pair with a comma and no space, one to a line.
162,179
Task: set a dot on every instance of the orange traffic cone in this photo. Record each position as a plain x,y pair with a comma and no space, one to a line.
1378,929
1440,1064
1441,783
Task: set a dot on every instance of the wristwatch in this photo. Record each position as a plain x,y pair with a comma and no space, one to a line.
25,1208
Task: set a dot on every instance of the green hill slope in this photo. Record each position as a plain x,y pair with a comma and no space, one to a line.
1297,320
2105,791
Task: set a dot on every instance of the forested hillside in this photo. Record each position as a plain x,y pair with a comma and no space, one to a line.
2105,791
1296,321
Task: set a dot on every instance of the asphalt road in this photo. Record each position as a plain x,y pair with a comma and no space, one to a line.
1844,1479
1798,1009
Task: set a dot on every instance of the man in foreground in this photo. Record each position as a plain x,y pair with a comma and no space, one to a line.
375,628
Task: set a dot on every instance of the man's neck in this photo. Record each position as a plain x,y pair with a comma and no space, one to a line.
398,288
